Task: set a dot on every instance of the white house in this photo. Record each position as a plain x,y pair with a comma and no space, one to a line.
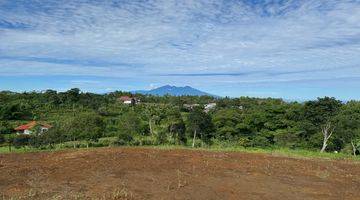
27,128
129,100
209,106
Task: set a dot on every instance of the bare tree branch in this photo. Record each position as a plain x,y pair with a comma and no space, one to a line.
327,131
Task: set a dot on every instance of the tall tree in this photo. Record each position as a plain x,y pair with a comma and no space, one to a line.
16,111
321,114
176,125
85,126
226,123
130,123
348,125
201,124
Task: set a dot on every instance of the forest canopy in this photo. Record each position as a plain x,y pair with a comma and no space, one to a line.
101,119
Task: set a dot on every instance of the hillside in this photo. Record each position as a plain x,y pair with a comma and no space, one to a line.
174,91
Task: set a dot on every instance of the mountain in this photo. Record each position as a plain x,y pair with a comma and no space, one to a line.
174,91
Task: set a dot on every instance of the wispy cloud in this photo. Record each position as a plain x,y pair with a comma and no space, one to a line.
254,40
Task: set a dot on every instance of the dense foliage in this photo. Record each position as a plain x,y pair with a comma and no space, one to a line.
250,122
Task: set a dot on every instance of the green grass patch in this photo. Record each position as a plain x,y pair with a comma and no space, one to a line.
5,149
296,153
282,152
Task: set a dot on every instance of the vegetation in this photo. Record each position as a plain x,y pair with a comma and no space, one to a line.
84,119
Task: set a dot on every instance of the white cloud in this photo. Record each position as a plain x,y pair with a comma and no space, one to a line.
181,37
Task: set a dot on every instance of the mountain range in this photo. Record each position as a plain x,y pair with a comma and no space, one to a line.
174,91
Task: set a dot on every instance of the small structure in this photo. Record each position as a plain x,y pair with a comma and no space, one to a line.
27,129
129,100
190,106
209,107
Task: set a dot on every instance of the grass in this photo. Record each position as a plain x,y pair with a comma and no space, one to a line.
27,149
294,153
5,149
298,153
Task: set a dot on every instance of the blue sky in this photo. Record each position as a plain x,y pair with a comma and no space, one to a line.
296,49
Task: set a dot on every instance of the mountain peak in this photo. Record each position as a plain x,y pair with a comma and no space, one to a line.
174,91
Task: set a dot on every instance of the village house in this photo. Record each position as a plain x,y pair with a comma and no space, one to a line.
209,107
190,106
28,128
129,100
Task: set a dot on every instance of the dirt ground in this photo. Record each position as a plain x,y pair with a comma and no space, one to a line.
147,173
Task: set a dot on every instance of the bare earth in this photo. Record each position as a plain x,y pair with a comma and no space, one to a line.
146,173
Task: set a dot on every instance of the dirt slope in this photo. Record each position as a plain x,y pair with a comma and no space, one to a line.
145,173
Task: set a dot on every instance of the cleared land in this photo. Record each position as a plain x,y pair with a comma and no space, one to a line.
147,173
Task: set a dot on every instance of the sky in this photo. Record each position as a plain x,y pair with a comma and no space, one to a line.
295,49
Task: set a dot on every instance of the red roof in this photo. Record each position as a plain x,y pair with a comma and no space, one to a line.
31,125
125,98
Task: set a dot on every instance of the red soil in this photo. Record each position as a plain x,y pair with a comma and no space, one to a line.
146,173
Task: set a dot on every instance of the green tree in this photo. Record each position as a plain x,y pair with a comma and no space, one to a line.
85,126
200,123
73,95
176,125
5,127
348,125
55,135
52,98
130,124
226,123
15,111
320,114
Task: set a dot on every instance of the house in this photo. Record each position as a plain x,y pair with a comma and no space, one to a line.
128,100
209,107
29,127
190,106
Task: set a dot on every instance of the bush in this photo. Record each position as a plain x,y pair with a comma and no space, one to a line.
240,142
260,141
5,128
161,137
244,142
124,139
348,149
107,141
199,143
286,138
16,111
2,139
143,141
21,140
76,144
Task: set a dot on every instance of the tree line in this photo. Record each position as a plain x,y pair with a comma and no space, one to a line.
324,124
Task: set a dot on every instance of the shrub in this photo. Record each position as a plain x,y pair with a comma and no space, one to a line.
124,139
21,140
2,139
161,137
106,141
5,128
200,143
260,141
143,141
76,144
240,142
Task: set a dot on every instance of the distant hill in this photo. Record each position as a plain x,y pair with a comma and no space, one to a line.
174,91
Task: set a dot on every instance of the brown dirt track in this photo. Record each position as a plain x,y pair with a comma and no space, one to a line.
147,173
